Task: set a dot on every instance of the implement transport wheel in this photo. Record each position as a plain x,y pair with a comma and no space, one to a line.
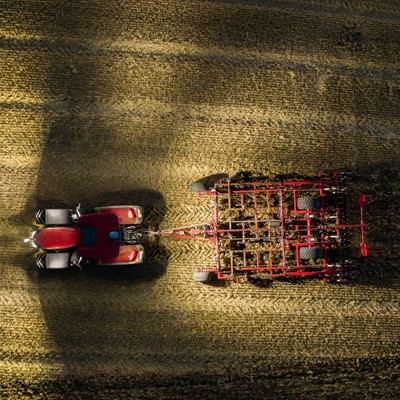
198,187
308,203
202,276
207,183
308,253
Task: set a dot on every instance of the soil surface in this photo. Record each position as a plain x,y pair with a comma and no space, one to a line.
128,102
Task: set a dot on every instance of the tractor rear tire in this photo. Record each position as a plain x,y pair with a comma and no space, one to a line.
308,203
200,276
308,253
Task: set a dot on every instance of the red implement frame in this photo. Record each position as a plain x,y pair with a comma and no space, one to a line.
258,228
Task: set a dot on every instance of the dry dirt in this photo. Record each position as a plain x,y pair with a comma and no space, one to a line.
115,102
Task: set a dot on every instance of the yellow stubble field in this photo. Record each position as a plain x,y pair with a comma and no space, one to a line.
116,102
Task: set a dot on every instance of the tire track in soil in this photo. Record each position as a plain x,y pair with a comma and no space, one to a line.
70,46
361,97
206,23
370,10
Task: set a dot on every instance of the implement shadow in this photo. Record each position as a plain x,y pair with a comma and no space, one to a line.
381,185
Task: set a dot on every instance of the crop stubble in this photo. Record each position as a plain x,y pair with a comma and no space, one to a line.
121,102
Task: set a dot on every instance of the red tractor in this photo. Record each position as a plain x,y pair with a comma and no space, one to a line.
264,229
103,235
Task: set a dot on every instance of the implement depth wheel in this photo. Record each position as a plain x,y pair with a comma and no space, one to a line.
274,223
308,253
308,203
201,276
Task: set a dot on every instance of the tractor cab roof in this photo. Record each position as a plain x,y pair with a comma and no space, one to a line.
95,239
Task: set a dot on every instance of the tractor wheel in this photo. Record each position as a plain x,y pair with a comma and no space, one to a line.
55,260
207,183
308,253
308,203
198,187
201,276
54,216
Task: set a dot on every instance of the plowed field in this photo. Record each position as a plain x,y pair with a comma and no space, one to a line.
127,102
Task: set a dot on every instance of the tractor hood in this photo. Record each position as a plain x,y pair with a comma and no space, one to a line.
57,238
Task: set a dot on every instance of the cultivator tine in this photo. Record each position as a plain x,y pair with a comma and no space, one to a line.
363,249
361,199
